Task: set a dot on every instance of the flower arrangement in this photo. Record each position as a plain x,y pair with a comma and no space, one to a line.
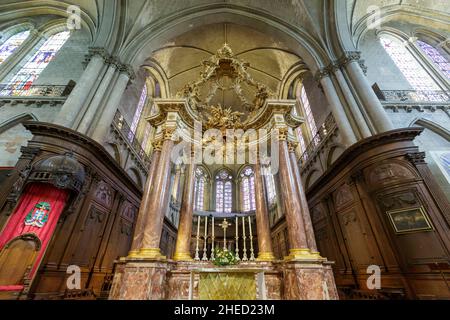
223,257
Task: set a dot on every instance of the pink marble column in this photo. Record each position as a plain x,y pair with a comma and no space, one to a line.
183,244
294,218
262,218
145,203
159,198
311,239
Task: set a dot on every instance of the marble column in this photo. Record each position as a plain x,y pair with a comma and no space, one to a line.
145,203
183,244
372,104
309,229
262,218
77,98
105,118
343,124
296,228
159,198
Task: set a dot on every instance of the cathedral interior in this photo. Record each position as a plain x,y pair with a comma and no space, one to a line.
235,149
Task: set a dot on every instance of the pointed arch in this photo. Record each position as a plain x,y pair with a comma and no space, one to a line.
18,119
430,125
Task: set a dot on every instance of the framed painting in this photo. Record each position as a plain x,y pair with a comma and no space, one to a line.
410,220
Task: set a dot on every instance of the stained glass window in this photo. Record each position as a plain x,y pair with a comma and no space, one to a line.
248,190
138,113
270,185
414,73
439,60
224,192
12,44
22,81
310,122
199,189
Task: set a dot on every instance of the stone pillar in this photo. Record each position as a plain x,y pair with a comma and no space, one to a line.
94,107
262,218
311,239
372,104
158,203
105,118
360,121
145,203
343,124
77,99
183,244
296,228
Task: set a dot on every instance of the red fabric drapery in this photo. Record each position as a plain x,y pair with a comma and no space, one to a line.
32,195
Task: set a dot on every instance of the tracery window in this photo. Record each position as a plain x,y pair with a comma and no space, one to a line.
23,80
199,189
270,185
310,122
414,73
224,191
248,190
438,59
138,113
12,44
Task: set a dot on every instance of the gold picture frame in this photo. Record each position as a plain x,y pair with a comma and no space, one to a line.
410,220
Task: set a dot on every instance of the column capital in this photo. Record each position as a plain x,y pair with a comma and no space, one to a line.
416,157
157,145
350,56
168,133
283,134
292,146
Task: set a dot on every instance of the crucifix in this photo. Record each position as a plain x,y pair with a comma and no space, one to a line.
225,226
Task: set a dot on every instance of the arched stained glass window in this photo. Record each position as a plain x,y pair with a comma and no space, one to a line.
424,85
138,113
248,190
310,122
21,83
270,185
438,59
12,44
224,192
199,189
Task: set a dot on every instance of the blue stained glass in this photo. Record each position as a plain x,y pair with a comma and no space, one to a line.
12,44
417,77
438,59
23,80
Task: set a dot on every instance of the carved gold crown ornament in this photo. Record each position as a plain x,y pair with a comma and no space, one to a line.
224,72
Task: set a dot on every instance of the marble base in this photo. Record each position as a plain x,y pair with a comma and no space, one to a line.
139,280
309,280
158,280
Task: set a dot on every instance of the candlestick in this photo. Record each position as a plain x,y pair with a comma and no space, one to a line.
197,257
237,239
252,251
205,237
244,256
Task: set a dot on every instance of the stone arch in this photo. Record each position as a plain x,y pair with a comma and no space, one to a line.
432,126
334,151
13,136
154,35
14,11
135,176
311,178
113,149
